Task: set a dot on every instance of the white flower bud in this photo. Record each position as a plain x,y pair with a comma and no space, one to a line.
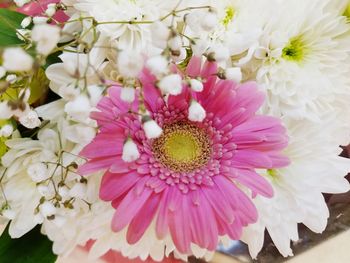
182,55
175,43
51,10
26,22
16,59
157,65
130,151
261,53
196,112
63,191
9,214
130,63
2,72
38,172
200,47
30,120
152,129
171,84
21,3
6,130
78,190
219,53
127,94
209,21
40,20
196,85
12,78
45,190
46,37
234,74
47,209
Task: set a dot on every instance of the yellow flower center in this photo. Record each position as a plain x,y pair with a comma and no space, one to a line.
295,50
182,147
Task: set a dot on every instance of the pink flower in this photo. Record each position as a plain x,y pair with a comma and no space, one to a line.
190,179
38,8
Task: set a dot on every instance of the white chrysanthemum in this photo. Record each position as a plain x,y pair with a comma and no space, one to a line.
305,61
129,36
315,169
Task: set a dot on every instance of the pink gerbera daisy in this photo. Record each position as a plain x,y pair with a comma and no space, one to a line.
192,180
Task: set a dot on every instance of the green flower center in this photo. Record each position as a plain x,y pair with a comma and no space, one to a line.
295,50
229,14
347,12
182,147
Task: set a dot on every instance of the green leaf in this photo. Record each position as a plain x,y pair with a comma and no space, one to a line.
9,22
30,248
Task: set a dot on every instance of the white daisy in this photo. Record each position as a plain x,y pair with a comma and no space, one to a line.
304,51
315,169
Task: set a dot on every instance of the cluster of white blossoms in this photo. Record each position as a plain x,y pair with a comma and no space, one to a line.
297,51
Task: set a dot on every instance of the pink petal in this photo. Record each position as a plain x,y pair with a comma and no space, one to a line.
104,145
115,185
96,165
253,181
143,219
128,208
179,227
194,67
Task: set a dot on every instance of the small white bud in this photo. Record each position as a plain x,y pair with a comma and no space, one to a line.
127,94
200,47
47,209
209,21
6,130
9,214
152,129
30,120
261,53
2,72
40,20
234,74
63,191
175,43
26,22
12,78
21,3
130,63
181,56
38,172
78,190
196,85
171,84
130,151
157,65
51,10
16,59
45,190
196,112
219,53
46,37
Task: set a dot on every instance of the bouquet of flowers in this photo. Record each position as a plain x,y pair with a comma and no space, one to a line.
162,127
